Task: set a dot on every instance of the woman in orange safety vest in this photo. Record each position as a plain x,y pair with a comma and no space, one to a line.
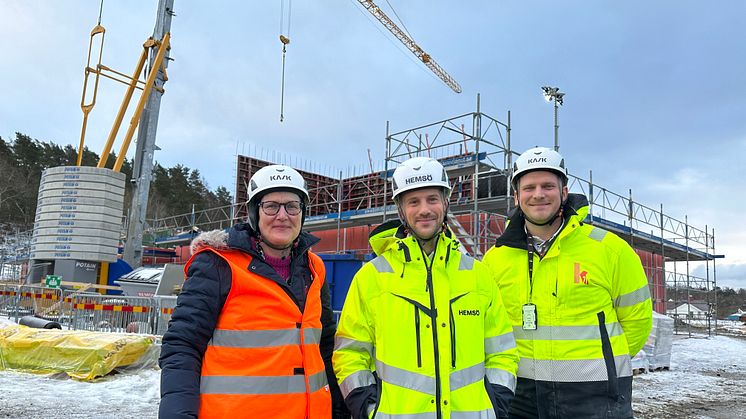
252,333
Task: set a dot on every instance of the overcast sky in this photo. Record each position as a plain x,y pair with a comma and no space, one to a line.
655,91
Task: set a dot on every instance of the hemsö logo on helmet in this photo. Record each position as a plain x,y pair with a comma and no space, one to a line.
421,178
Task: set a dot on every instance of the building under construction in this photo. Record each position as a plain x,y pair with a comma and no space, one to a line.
476,152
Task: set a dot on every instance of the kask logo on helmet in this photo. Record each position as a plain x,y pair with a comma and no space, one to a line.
275,178
421,178
537,160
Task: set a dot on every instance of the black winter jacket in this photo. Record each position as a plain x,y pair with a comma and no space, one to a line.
200,303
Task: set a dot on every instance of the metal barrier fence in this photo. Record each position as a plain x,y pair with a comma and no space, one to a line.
17,301
107,313
76,310
166,306
80,310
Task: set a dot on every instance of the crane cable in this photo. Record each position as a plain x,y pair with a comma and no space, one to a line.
100,11
401,22
285,41
88,107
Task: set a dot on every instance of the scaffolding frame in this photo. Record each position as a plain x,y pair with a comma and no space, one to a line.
14,254
476,150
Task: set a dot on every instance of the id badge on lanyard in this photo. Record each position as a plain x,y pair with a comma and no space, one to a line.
528,310
529,317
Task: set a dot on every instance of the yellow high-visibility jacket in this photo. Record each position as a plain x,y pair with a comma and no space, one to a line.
593,314
437,338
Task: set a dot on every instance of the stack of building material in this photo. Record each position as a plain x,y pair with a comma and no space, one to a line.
80,354
658,346
640,362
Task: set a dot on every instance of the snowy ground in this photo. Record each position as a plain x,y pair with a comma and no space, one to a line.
116,396
707,380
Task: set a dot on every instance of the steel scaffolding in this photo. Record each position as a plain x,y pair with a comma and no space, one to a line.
14,254
476,150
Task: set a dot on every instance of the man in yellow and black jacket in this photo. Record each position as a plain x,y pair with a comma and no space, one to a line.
576,295
423,332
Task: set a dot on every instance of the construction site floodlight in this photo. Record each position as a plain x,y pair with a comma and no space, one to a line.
553,93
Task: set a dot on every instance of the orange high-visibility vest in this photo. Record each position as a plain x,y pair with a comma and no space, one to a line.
263,360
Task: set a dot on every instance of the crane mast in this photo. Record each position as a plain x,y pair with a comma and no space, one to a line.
410,44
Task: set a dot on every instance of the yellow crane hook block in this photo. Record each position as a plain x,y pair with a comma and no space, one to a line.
82,355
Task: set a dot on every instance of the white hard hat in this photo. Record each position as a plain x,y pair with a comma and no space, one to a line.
420,172
539,158
274,178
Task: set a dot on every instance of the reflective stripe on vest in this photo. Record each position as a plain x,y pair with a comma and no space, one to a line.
407,379
572,370
597,234
362,378
457,379
289,384
502,377
499,343
466,376
428,415
631,298
466,263
476,373
382,265
264,338
482,414
354,345
566,332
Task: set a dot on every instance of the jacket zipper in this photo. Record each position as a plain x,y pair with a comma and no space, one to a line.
417,333
453,329
434,322
453,336
608,353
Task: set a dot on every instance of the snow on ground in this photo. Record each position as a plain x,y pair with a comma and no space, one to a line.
707,380
134,395
732,327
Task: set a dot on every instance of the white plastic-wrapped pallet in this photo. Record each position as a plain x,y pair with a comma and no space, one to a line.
658,346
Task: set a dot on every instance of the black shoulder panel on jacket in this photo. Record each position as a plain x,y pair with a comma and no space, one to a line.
388,225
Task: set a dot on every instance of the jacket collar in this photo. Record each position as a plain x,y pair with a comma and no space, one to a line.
575,207
392,237
243,237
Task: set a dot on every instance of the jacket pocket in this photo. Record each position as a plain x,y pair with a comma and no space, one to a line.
452,320
417,335
419,310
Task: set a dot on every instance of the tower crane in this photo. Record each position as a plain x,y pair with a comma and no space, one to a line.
410,44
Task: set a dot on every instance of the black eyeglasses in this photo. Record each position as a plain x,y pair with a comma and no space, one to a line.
272,207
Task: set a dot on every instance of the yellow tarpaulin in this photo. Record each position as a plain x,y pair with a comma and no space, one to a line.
81,354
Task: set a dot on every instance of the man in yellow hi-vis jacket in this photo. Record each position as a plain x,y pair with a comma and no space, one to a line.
423,332
577,297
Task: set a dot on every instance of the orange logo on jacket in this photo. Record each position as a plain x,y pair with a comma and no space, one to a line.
580,276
